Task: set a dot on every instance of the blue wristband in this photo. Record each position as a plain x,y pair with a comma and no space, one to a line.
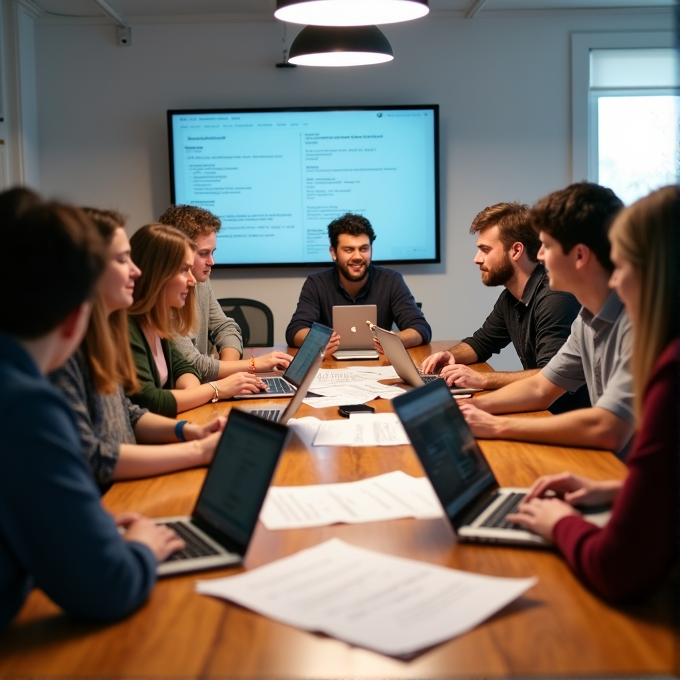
179,430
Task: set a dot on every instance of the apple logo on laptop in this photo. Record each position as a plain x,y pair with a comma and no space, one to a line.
353,329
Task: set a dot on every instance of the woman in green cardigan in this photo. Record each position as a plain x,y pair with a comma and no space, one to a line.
163,305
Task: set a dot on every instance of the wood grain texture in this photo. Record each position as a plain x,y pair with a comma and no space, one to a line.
558,628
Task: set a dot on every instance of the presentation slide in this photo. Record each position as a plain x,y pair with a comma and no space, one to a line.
276,179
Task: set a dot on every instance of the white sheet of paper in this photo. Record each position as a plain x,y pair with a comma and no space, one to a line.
371,429
352,374
394,495
392,605
352,393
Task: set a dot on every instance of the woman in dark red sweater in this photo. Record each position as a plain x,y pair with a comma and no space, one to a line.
638,547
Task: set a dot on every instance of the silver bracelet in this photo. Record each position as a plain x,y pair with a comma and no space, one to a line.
217,392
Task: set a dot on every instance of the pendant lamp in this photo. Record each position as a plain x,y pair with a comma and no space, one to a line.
349,12
340,46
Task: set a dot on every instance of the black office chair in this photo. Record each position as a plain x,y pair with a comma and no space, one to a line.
255,319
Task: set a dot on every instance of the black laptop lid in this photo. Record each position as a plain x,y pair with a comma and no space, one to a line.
239,476
316,340
445,446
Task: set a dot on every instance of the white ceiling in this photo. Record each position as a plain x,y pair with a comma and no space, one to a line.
145,10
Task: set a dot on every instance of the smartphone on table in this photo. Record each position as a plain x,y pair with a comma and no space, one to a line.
348,409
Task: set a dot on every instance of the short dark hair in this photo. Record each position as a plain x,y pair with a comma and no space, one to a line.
195,222
354,225
514,225
581,213
67,257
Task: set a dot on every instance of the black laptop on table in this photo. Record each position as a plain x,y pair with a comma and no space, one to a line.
462,479
290,381
219,530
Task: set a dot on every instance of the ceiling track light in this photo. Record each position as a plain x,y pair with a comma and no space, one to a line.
349,12
340,46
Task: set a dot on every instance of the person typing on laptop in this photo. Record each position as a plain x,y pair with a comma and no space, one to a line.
355,281
54,533
637,548
536,319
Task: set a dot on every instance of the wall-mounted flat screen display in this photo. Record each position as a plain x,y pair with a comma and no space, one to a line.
277,177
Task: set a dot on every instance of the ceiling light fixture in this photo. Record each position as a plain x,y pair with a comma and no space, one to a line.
340,46
349,12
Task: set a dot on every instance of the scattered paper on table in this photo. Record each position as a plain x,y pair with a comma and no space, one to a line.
371,429
392,605
394,495
353,374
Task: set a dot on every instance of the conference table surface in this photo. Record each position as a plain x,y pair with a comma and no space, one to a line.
558,628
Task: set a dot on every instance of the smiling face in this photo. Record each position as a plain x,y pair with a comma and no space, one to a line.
117,283
625,280
177,288
353,256
493,259
203,257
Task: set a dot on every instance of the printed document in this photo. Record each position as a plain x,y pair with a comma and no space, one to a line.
394,495
392,605
362,429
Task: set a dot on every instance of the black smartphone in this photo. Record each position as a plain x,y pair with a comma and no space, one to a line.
354,408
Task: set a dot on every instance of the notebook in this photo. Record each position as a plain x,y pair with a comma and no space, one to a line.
280,414
287,385
403,364
219,530
356,339
462,479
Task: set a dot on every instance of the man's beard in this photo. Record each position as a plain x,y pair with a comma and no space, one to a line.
498,275
350,276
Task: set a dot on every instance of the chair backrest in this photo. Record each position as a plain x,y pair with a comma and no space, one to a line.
255,319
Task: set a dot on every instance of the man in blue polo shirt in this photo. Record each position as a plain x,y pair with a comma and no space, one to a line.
354,280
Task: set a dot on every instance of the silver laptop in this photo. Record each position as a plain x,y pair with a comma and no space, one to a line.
459,473
281,414
290,381
220,528
356,339
403,364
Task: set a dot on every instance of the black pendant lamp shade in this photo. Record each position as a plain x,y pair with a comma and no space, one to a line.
349,12
340,46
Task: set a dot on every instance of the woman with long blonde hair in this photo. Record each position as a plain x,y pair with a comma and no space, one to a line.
164,305
637,548
119,439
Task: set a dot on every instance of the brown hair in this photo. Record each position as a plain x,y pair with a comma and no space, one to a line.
646,234
159,251
106,345
191,220
514,225
581,213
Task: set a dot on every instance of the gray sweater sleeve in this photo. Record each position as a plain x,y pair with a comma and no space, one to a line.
223,331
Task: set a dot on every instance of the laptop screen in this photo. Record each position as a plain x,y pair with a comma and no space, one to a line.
240,474
445,446
316,340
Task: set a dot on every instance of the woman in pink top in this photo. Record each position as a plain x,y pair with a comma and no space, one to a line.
638,547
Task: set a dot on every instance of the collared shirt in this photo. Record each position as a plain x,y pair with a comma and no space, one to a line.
598,353
537,325
384,288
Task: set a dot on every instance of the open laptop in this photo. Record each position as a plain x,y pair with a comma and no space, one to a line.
290,381
219,530
281,414
459,473
403,364
356,339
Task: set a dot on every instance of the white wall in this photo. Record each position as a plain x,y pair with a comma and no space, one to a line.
503,85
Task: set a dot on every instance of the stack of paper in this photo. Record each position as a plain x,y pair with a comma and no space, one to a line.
389,604
394,495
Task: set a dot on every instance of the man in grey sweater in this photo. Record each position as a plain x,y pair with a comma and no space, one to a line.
214,330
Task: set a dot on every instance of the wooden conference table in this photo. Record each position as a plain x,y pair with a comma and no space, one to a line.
557,628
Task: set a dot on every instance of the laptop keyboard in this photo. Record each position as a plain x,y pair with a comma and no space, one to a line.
268,413
195,546
496,519
278,386
430,378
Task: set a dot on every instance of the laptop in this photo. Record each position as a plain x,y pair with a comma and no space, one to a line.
462,479
219,530
356,339
290,381
280,414
403,364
